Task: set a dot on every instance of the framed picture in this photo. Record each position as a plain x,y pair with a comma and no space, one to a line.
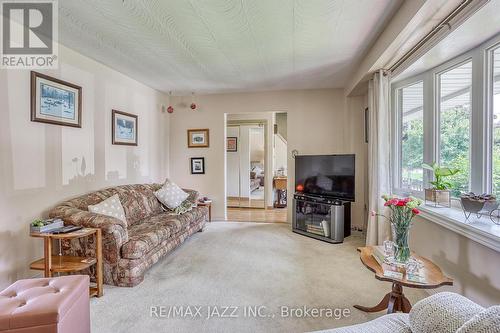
198,138
197,165
232,144
55,101
124,128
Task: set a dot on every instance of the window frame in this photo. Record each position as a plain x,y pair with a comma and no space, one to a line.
449,66
397,133
481,127
488,98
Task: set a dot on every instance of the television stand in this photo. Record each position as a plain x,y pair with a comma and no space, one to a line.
326,219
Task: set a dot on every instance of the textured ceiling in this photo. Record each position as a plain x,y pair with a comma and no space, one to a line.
225,45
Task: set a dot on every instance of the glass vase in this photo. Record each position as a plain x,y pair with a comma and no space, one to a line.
402,251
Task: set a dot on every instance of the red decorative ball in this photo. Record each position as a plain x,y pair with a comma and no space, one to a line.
170,109
193,106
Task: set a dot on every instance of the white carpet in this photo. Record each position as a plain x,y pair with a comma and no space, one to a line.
234,265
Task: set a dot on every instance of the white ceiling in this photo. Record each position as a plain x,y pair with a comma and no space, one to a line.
226,45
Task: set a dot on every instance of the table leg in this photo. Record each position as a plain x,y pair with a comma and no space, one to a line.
47,252
394,301
99,276
384,303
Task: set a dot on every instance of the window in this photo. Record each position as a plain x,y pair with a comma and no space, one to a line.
495,121
412,136
455,124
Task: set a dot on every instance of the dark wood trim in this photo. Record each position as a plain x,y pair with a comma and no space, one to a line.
113,115
189,131
197,158
34,76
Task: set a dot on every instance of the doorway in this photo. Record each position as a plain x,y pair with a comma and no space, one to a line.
246,164
256,164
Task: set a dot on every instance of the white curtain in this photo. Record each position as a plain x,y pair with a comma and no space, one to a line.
379,159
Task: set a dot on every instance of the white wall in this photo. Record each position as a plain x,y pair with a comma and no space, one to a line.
316,125
280,153
42,164
233,164
473,266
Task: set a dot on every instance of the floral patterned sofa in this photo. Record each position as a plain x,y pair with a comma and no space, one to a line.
131,247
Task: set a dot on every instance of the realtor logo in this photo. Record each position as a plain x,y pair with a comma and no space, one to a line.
29,34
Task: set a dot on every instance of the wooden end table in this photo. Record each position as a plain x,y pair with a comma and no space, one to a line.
395,300
58,263
209,205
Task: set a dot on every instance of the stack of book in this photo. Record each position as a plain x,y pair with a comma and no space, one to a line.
378,254
45,226
315,229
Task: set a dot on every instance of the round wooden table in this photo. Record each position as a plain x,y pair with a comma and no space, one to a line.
395,300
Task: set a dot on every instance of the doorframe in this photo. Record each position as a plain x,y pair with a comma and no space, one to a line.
265,124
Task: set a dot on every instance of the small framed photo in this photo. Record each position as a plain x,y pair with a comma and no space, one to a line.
124,128
197,165
55,101
232,144
198,138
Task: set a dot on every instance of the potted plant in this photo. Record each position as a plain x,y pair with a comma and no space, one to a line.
439,194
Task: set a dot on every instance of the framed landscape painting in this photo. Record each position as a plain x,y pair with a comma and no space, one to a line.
198,138
124,128
197,165
55,101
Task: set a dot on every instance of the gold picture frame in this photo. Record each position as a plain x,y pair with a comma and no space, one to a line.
198,138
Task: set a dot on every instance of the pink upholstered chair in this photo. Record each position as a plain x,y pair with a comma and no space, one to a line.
59,304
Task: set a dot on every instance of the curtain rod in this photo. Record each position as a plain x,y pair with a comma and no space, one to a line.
455,14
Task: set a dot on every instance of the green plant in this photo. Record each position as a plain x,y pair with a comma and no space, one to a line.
38,223
439,173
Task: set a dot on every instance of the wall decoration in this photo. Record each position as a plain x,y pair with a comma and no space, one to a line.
170,108
197,165
193,104
198,138
232,144
124,128
55,101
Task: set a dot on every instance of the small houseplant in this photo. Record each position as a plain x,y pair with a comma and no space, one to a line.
439,194
403,210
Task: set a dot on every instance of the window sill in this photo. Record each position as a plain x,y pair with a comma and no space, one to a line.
481,230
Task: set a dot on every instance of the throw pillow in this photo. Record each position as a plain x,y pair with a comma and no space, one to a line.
110,207
487,321
171,195
188,204
442,313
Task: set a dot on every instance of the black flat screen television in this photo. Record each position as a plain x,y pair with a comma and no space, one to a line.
329,176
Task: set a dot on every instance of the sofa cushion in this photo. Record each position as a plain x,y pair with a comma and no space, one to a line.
442,313
138,200
487,321
145,236
392,323
171,195
110,207
152,231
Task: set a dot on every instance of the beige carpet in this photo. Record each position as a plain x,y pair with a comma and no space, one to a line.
235,265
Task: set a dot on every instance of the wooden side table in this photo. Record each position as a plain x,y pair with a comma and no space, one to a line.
396,300
209,205
58,263
280,186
